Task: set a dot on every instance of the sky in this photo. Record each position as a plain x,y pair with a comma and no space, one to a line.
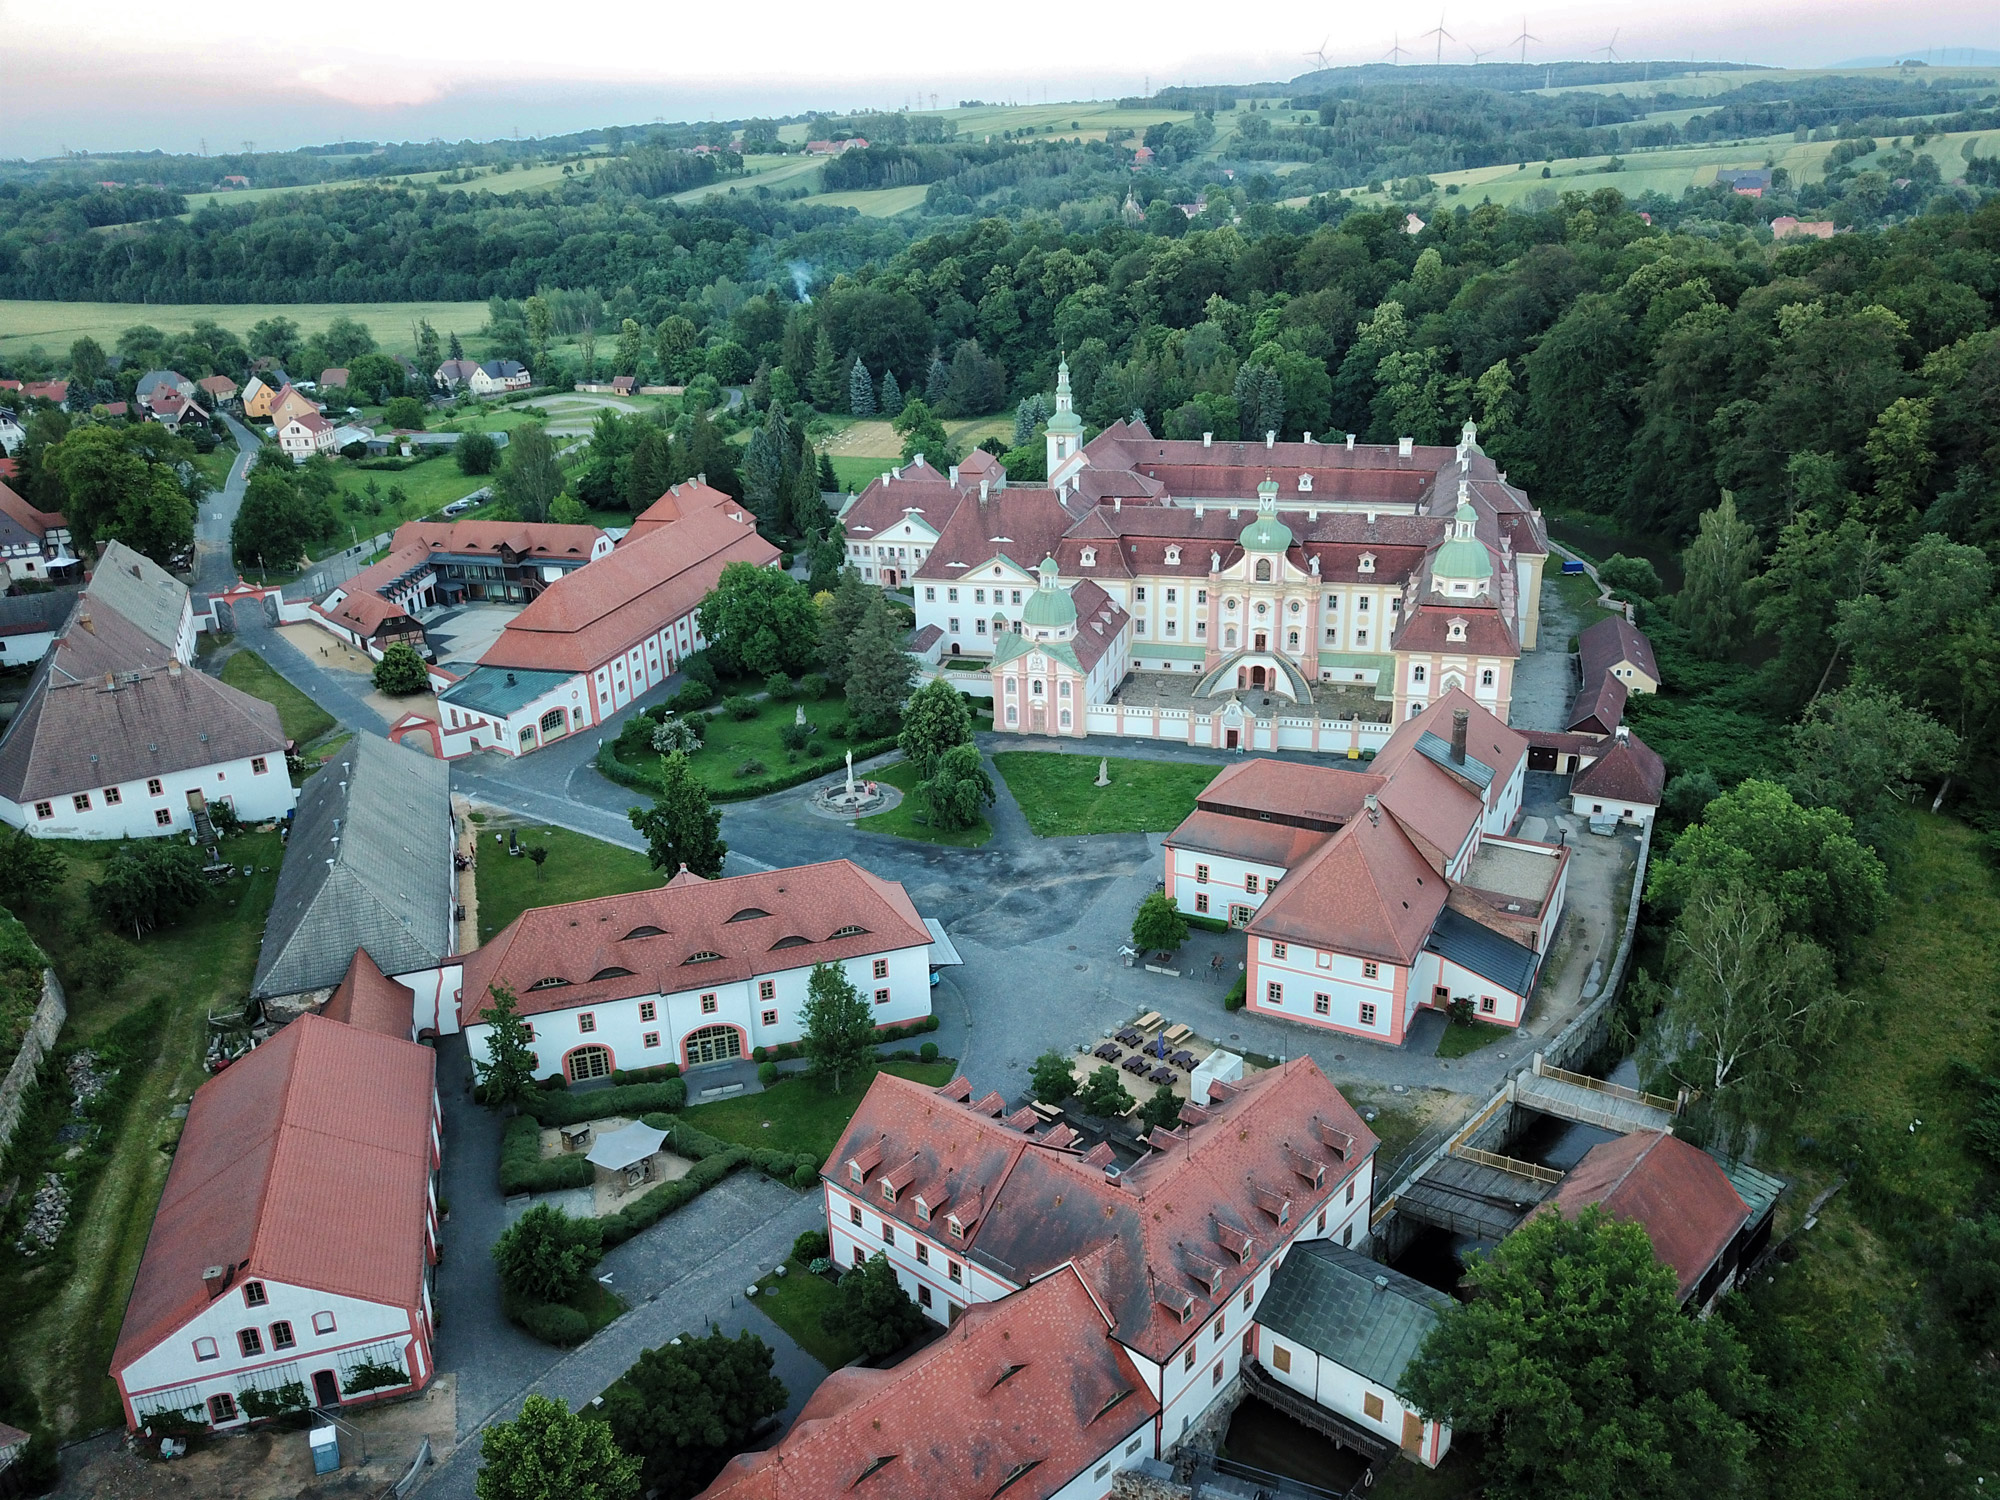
89,79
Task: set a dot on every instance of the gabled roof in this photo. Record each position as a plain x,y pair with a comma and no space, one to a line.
306,1162
36,523
692,933
369,999
219,386
683,499
1610,641
1351,1310
1385,893
534,539
334,375
108,705
368,866
312,421
1600,707
1630,771
30,614
1020,1395
140,590
1676,1192
1022,525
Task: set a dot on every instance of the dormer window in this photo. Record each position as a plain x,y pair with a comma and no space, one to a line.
888,1191
1305,484
848,932
1173,556
705,956
1367,563
1455,630
1089,557
855,1174
955,1227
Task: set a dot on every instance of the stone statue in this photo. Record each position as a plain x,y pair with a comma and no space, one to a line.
799,716
850,773
1103,771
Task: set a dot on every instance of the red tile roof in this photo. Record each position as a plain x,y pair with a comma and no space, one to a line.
26,516
1289,789
1369,889
595,613
1677,1193
367,998
1629,772
683,499
362,606
1024,525
1610,641
1032,1386
499,538
752,924
1428,627
1027,1206
1600,707
219,386
307,1162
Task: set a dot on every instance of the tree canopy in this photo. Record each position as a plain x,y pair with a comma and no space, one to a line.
839,1025
549,1452
758,621
682,827
685,1408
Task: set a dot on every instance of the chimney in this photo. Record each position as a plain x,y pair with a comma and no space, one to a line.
985,486
1117,504
174,667
1621,734
1460,721
1208,440
954,475
1350,442
1309,437
214,1279
1403,446
1373,808
1270,437
702,477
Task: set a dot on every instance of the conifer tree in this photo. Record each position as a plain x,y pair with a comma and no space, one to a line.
892,394
860,389
681,827
825,382
937,382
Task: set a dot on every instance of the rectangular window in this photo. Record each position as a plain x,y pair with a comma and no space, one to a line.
250,1340
1322,1222
923,1296
1216,1332
648,1010
923,1253
881,968
253,1294
951,596
281,1336
1371,970
649,1039
1250,884
258,765
1187,1363
1274,993
1201,901
153,787
81,801
979,627
767,989
222,1408
952,625
888,1233
854,1213
1362,604
1132,1447
161,816
1367,1014
1347,1235
1215,1375
1281,1359
1350,1199
1201,874
323,1322
930,596
954,1270
1280,950
1322,1004
1014,596
1488,1004
1172,595
708,1005
205,1349
770,1018
1371,1404
1360,637
979,596
1139,594
112,796
1333,632
882,997
586,1021
1249,1342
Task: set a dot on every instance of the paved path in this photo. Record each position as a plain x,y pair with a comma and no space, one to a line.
213,570
1545,678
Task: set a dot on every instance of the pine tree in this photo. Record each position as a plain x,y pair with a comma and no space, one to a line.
825,382
892,394
937,382
809,515
860,389
839,619
507,1074
1024,422
829,482
764,470
457,349
879,670
681,827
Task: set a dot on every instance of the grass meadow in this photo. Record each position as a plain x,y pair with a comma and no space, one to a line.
55,325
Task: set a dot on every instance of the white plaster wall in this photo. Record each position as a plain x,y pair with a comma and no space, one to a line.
255,797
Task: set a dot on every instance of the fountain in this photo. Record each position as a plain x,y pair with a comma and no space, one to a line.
846,799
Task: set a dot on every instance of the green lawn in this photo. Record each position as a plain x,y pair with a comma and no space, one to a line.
303,719
794,1302
1058,794
428,485
59,1320
856,474
901,820
55,325
577,869
730,743
800,1113
1461,1041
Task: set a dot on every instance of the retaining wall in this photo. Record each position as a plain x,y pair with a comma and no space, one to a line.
50,1014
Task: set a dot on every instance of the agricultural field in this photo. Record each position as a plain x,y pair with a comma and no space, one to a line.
876,203
1711,85
55,325
520,180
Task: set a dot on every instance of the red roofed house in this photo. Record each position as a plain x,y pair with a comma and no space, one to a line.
1041,1397
219,388
1368,895
1691,1209
304,433
293,1245
332,378
1176,1250
1616,646
696,971
33,543
1626,782
605,634
291,402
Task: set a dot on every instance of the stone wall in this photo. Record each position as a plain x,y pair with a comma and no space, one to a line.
41,1035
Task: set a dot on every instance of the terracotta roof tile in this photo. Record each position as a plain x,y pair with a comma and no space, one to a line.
1611,640
1600,707
1676,1192
369,1000
1630,771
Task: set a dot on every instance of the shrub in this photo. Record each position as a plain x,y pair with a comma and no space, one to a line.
812,686
699,667
523,1169
839,729
646,1075
794,736
810,1246
767,1073
807,1176
751,767
475,452
632,1099
546,1255
928,1052
739,707
1234,999
553,1323
691,696
401,671
780,688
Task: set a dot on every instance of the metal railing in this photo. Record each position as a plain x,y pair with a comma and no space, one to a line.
1533,1171
1545,1069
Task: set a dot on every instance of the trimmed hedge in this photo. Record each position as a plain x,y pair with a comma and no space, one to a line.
713,1160
1234,999
786,1051
551,1322
1206,924
743,788
566,1108
660,1074
523,1169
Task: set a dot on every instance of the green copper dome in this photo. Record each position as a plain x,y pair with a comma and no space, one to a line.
1050,606
1267,533
1464,556
1065,418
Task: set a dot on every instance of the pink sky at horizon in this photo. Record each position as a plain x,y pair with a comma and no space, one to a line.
91,81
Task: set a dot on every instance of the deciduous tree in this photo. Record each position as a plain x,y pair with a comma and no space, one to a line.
1104,1094
758,621
533,475
871,1308
958,790
147,885
1863,750
685,1408
401,671
681,827
30,870
935,719
506,1073
475,453
1050,1079
1714,604
1158,924
546,1256
549,1452
839,1025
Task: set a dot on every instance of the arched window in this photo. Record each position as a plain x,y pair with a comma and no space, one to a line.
1417,674
586,1063
1013,686
1089,557
1291,640
1035,687
1263,570
555,721
1486,678
709,1044
1229,639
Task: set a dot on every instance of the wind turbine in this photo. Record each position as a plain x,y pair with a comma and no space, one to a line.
1442,36
1610,49
1522,41
1397,52
1318,54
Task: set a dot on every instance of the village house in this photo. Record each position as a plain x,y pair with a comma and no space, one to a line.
257,399
34,544
153,382
693,972
1786,227
304,434
292,1250
1178,1249
454,373
836,148
601,636
170,409
30,623
1368,895
291,402
1616,647
12,433
219,389
496,377
333,378
1624,784
117,738
368,865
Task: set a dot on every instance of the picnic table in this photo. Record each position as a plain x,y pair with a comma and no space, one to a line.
1161,1076
1131,1037
1136,1063
1149,1020
1177,1034
1109,1051
1184,1060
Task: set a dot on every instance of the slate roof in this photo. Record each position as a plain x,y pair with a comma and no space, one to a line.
1630,771
1484,951
109,705
141,591
369,999
307,1162
1031,1388
1351,1310
1613,640
368,866
652,942
1676,1192
30,614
